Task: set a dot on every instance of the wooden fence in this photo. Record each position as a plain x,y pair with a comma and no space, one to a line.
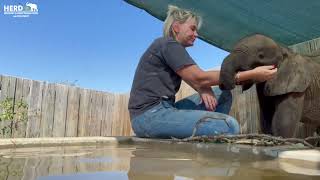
56,110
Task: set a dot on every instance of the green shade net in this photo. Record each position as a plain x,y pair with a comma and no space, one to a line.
227,21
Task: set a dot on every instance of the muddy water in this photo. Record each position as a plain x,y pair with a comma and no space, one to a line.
151,161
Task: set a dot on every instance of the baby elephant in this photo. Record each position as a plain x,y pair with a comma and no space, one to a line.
292,96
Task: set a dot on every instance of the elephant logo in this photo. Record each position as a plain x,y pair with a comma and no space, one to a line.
32,7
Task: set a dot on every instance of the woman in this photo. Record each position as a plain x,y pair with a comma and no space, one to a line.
153,110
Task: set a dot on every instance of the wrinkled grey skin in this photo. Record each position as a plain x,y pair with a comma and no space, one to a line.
292,96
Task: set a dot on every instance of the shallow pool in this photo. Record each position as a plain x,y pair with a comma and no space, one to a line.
151,161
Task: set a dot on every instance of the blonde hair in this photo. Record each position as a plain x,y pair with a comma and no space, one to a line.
177,14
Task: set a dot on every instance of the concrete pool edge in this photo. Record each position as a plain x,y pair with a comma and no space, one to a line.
61,141
72,141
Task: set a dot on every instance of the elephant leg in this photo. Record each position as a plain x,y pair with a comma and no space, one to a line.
267,107
288,113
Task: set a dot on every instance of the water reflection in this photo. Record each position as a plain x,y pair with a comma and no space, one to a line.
168,162
219,161
149,161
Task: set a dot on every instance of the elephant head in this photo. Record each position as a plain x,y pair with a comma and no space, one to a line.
284,99
248,53
259,50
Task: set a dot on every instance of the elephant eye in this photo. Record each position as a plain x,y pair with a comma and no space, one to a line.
285,55
261,56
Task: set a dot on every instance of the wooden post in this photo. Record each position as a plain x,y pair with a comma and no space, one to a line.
245,108
60,110
84,111
309,48
8,88
94,122
47,110
72,112
22,93
34,110
108,106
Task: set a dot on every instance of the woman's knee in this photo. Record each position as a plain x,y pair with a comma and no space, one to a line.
137,128
217,123
233,125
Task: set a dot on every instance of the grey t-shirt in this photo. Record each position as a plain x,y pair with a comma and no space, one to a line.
156,75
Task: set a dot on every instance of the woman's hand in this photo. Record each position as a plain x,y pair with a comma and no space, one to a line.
264,73
208,98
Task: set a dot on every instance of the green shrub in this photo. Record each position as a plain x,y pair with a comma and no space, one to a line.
15,113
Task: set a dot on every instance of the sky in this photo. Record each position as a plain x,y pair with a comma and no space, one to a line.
93,44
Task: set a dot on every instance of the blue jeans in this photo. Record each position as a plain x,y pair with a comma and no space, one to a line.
187,117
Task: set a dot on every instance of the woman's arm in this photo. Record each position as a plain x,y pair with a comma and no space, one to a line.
198,78
259,74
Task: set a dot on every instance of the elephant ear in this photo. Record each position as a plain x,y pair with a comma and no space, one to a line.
292,76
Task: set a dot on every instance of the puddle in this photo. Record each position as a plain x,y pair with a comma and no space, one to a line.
145,161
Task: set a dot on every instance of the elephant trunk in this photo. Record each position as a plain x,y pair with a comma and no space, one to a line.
230,66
